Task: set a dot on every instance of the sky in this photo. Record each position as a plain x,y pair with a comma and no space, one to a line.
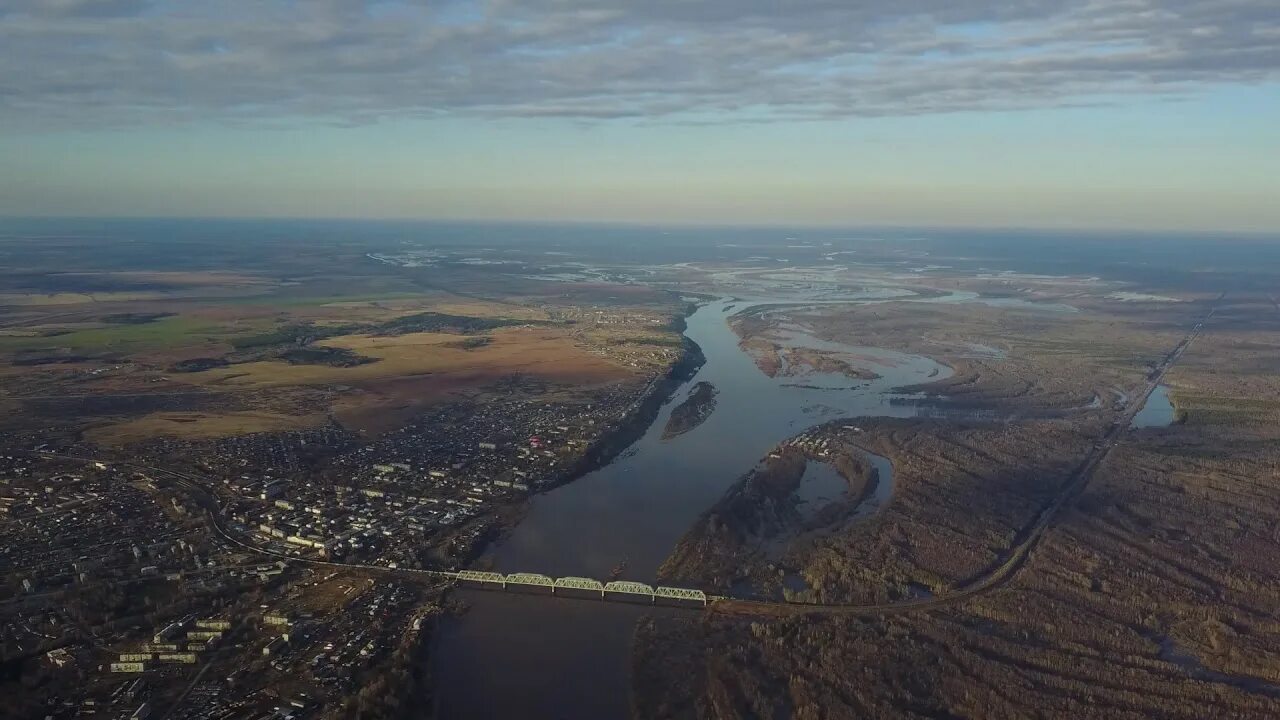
1127,114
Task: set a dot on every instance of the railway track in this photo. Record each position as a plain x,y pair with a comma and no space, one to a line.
994,578
1001,574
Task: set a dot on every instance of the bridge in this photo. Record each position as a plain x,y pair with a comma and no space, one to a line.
577,586
994,577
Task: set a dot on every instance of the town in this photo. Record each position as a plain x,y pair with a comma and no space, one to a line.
230,625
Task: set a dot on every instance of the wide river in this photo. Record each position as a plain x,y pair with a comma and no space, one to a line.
523,655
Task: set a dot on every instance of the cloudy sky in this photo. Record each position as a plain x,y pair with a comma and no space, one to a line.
1063,113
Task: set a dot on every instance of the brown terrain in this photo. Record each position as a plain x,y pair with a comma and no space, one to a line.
1151,592
143,414
1150,595
205,355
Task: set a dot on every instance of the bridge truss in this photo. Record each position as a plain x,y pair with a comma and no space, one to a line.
616,588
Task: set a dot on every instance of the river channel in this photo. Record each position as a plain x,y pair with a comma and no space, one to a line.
532,656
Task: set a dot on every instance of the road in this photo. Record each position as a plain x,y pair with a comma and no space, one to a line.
993,578
1015,559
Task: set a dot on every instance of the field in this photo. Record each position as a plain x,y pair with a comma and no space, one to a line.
546,353
288,340
199,426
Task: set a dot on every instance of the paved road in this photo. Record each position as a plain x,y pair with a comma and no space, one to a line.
995,577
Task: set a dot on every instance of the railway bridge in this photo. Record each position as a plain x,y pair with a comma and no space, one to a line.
578,586
995,577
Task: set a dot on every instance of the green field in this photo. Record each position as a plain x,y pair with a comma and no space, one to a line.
165,332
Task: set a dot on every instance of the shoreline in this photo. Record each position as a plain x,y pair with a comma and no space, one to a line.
600,454
605,450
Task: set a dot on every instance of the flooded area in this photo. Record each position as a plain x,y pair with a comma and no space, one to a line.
822,489
1157,412
882,493
509,655
820,486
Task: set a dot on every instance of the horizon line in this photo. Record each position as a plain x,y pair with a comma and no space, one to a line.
680,225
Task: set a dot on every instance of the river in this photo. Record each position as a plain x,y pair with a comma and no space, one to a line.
529,656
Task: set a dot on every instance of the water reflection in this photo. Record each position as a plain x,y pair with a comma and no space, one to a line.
820,486
1156,412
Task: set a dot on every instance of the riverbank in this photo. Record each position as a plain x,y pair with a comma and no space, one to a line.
603,451
803,486
609,447
635,509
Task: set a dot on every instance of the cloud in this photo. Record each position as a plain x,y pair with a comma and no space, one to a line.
74,8
130,62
